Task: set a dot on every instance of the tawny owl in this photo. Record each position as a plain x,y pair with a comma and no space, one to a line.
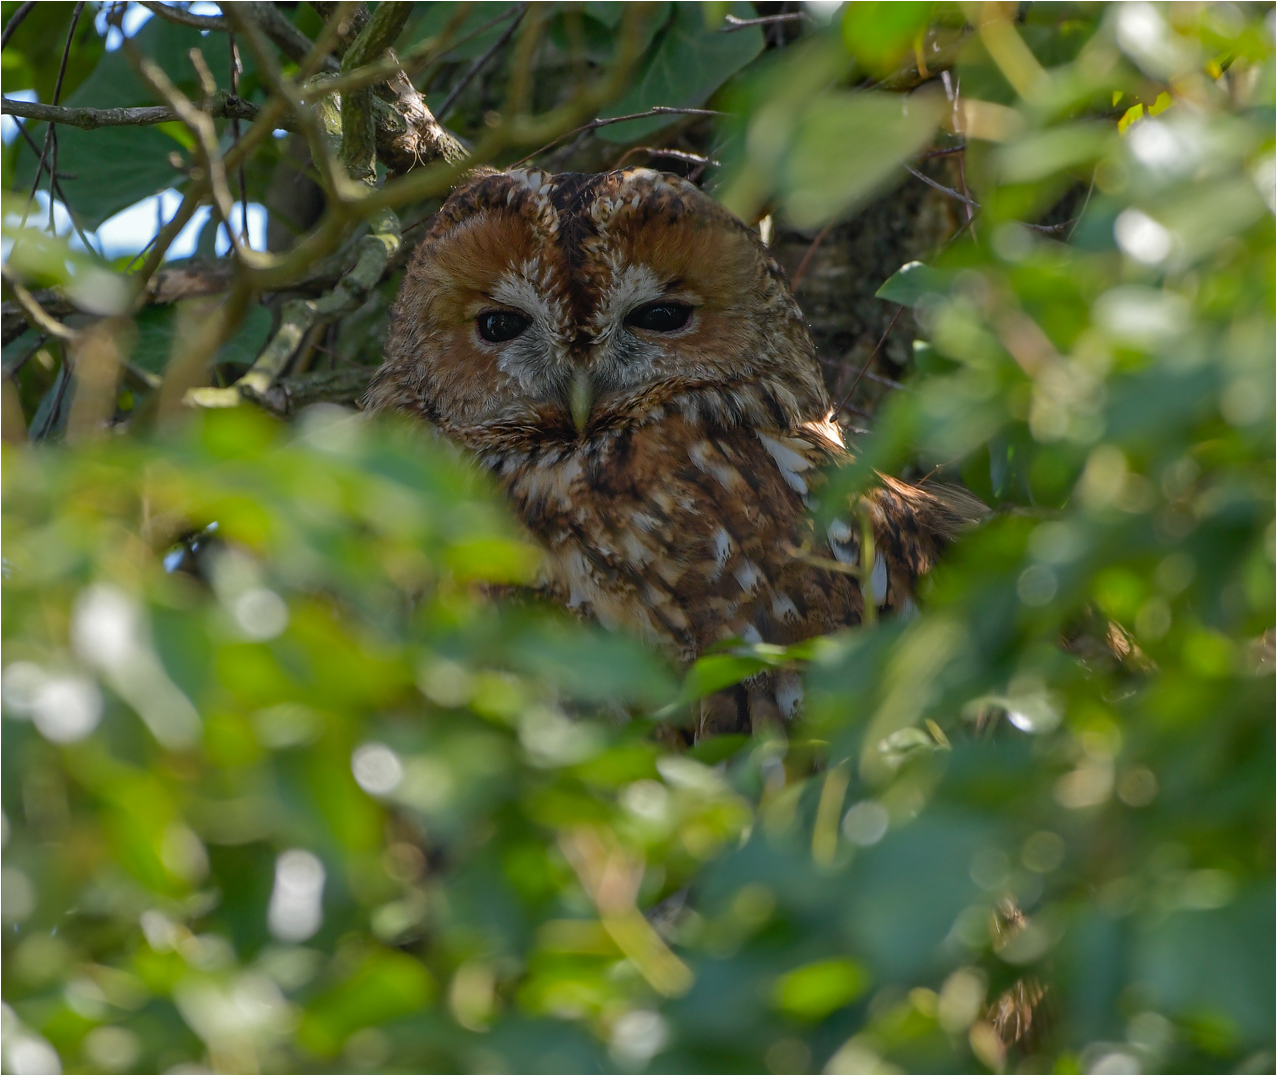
629,362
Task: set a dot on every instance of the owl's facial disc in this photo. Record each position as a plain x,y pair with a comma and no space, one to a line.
548,303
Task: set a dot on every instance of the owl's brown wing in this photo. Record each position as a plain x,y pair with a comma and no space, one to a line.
912,526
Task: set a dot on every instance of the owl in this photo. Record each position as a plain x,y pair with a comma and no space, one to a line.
622,354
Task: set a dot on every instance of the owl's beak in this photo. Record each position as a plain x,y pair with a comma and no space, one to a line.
581,398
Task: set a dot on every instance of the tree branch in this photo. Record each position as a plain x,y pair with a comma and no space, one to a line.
379,34
358,124
275,25
186,18
349,23
593,125
221,106
299,316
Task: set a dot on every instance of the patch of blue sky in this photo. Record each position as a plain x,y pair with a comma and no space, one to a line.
8,125
135,15
131,230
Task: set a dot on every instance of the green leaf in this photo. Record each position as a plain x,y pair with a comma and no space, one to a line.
912,282
1044,153
813,991
109,169
717,671
248,341
713,749
113,83
595,31
687,64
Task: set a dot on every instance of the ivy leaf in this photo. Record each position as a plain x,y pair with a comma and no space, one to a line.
113,168
688,63
598,25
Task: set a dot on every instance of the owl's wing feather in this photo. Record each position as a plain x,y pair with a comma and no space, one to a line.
912,526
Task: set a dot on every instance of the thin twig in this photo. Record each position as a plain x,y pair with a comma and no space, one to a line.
593,125
36,314
66,51
288,96
890,382
410,63
199,124
734,24
1082,212
75,223
15,20
1053,229
446,108
185,18
349,206
941,187
524,130
869,361
519,83
50,153
944,151
236,68
673,154
801,271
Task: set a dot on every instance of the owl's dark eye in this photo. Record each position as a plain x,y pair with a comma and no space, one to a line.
660,317
498,325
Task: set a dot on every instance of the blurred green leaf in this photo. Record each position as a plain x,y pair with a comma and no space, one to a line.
827,168
880,35
814,991
385,986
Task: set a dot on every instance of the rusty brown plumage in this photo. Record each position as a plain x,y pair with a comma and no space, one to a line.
667,467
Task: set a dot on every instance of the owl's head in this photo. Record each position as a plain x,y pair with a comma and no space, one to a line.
557,307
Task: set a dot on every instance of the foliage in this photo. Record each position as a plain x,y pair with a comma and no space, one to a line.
288,786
